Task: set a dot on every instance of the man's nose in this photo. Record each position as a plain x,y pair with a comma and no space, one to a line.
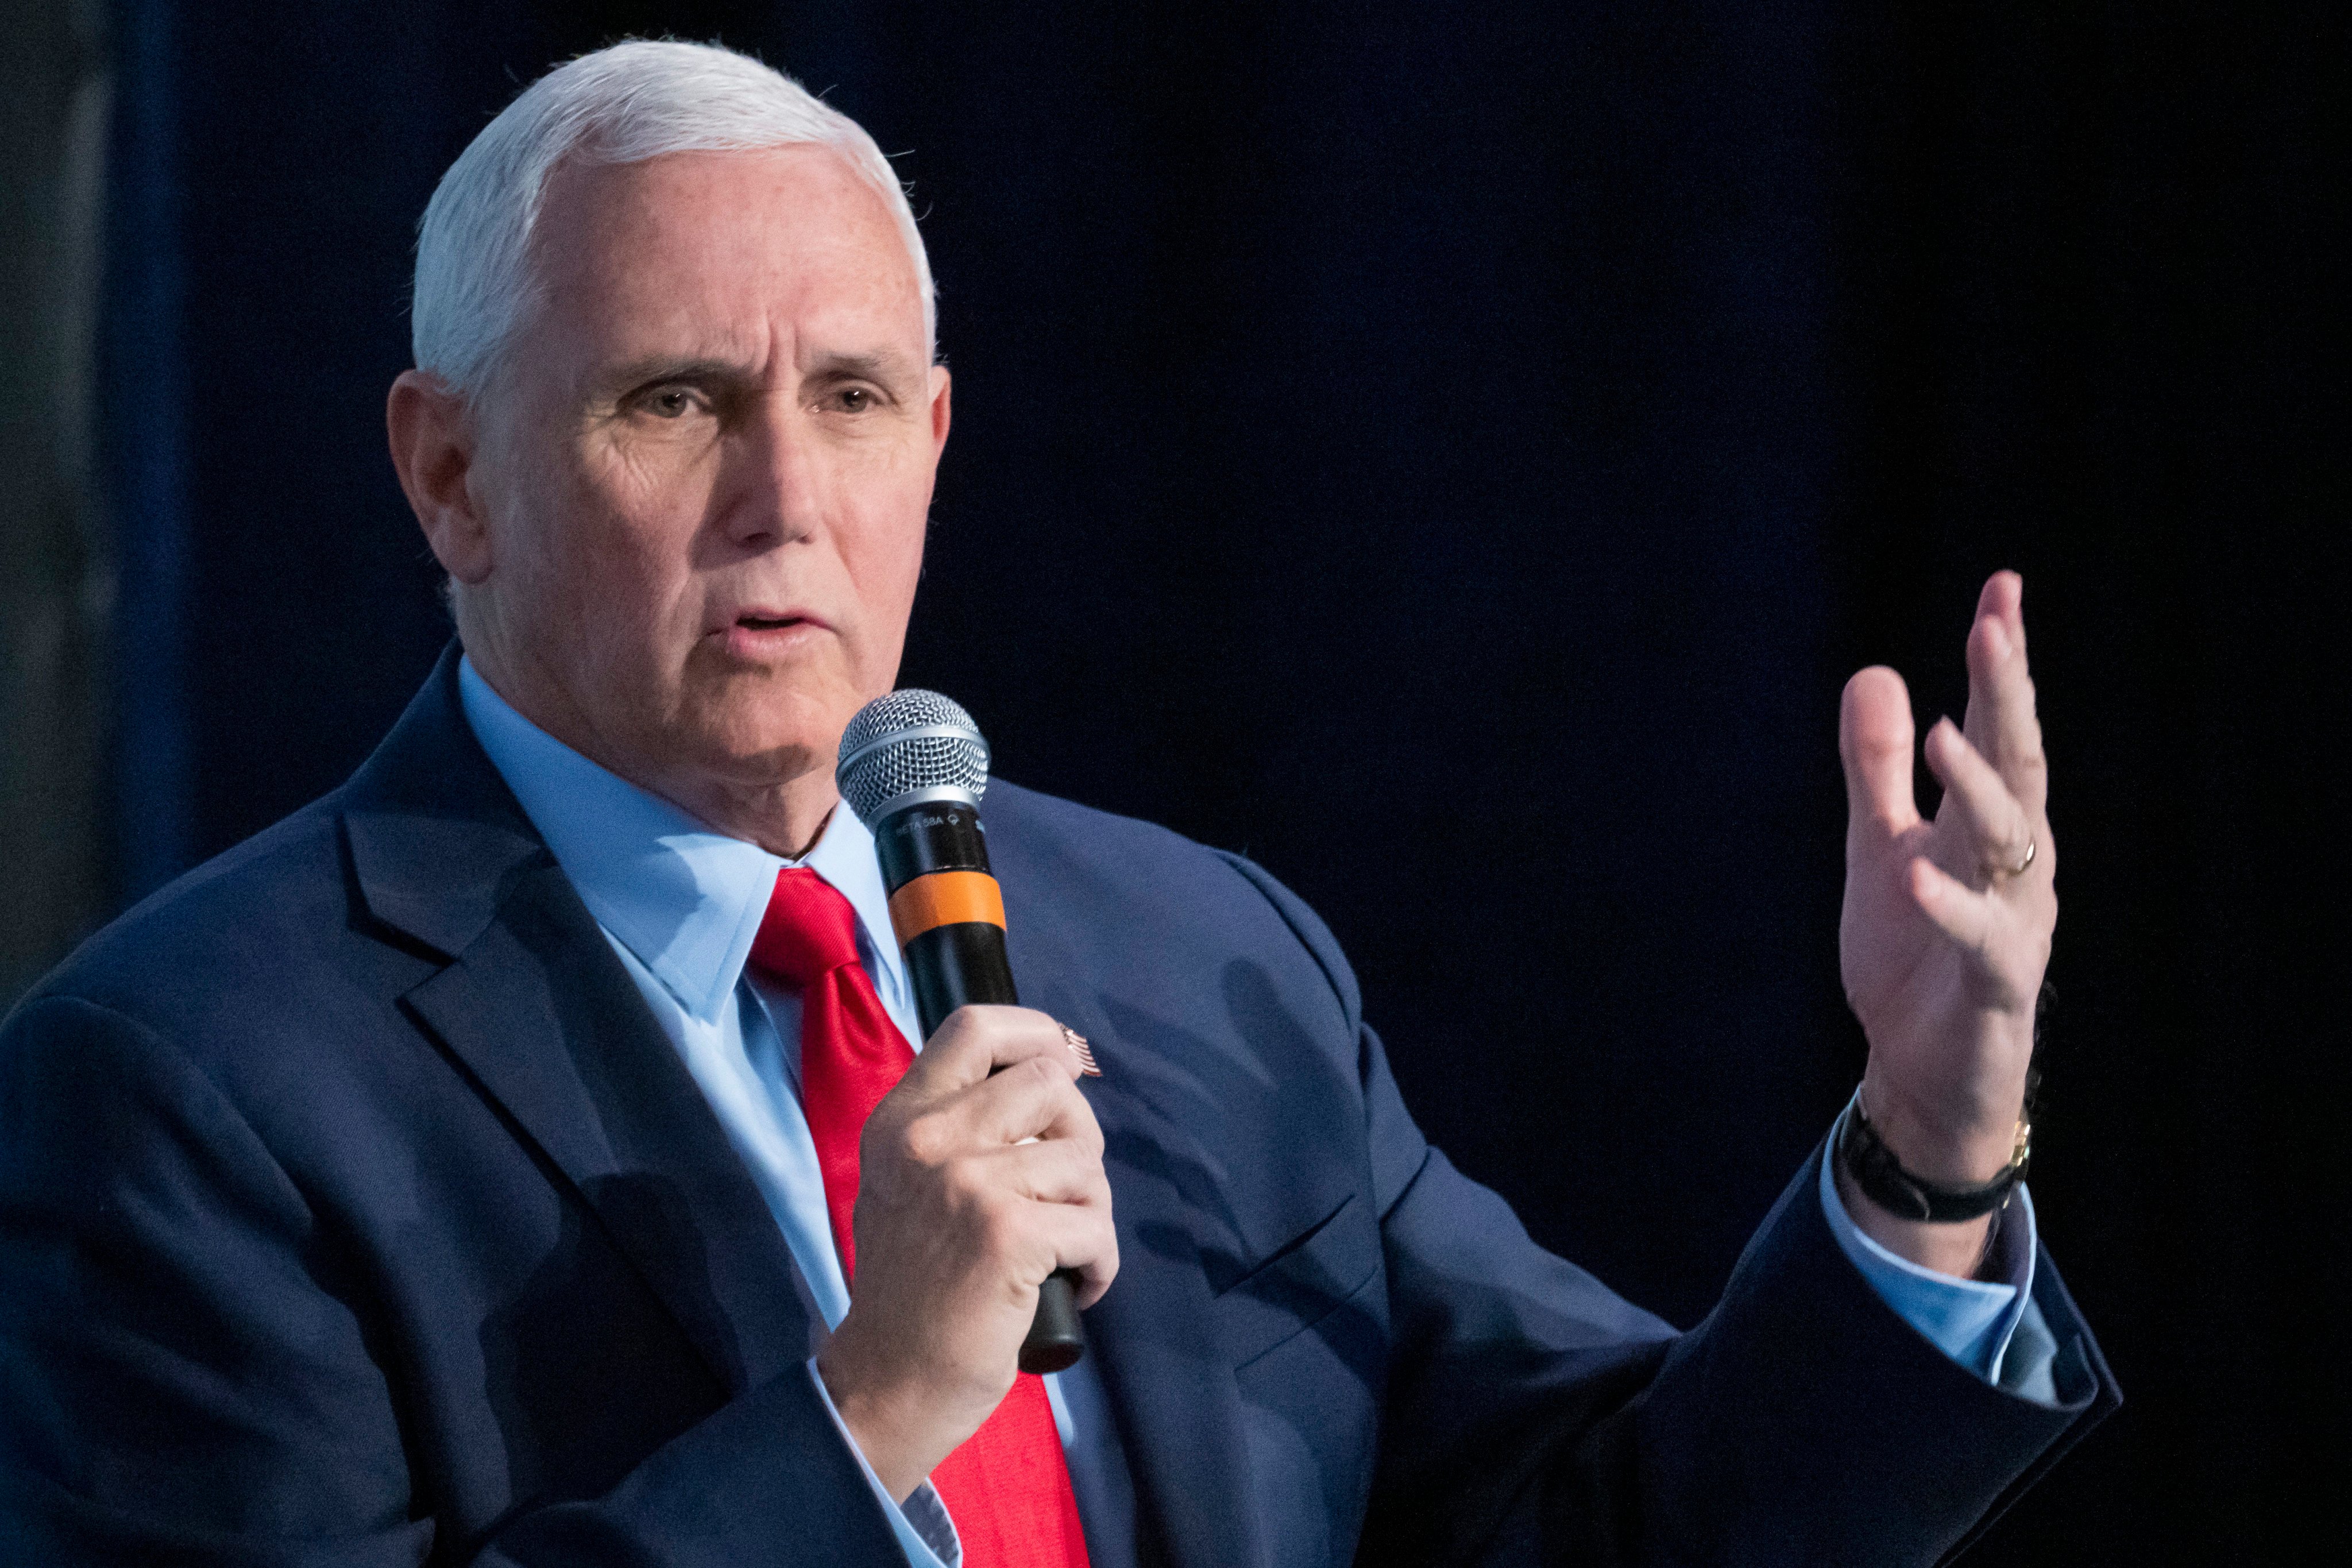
774,487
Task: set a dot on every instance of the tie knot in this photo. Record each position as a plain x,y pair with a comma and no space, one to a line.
809,931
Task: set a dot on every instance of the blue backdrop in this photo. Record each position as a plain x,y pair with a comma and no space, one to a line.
1455,457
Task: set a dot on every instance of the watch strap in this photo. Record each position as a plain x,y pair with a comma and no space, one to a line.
1881,1177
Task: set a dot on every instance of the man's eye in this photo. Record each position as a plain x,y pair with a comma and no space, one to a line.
853,399
669,403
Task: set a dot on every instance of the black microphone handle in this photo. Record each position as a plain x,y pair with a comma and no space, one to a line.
964,961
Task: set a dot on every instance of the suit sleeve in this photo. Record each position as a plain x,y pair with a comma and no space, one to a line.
1534,1416
189,1376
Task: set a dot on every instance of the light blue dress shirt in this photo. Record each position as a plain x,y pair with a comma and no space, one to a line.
681,903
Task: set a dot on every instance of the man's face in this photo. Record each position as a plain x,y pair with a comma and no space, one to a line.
708,467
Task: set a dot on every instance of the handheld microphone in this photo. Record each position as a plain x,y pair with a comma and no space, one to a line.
913,767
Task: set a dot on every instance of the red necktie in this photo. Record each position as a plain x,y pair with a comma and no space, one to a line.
1007,1485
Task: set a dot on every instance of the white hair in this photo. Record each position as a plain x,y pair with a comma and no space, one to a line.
624,104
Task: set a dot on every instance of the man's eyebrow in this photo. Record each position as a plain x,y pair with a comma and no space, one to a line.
882,364
655,368
886,365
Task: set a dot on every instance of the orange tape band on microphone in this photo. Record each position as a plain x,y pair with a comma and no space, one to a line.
945,898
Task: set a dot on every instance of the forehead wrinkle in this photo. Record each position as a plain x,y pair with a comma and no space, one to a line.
634,207
886,365
697,318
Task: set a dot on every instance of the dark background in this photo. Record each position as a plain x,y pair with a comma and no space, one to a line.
1456,455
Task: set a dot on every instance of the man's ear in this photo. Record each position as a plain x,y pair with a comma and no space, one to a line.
433,449
939,406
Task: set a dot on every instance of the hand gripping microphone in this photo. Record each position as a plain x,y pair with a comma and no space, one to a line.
913,767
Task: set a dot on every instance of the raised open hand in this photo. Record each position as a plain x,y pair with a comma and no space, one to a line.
1946,924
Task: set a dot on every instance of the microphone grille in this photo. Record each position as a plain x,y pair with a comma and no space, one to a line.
908,742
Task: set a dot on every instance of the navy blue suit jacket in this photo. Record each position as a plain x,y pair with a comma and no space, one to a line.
354,1210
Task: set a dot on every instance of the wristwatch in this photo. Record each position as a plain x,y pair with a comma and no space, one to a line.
1881,1177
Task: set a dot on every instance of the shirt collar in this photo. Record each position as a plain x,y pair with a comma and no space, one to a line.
682,897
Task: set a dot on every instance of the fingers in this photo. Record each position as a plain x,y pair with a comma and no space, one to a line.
1874,734
1084,1239
1070,1209
2001,722
2002,598
993,1076
2007,955
1994,835
1058,1170
1040,1208
1959,911
1032,1099
977,1040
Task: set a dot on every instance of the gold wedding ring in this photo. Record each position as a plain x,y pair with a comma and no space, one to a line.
2033,845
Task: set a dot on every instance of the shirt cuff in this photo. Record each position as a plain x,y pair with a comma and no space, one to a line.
1970,1321
926,1535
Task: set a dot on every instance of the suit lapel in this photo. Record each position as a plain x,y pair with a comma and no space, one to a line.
1178,1407
1171,1388
541,1012
538,1009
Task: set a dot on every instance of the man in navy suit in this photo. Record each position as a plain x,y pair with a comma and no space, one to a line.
432,1178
